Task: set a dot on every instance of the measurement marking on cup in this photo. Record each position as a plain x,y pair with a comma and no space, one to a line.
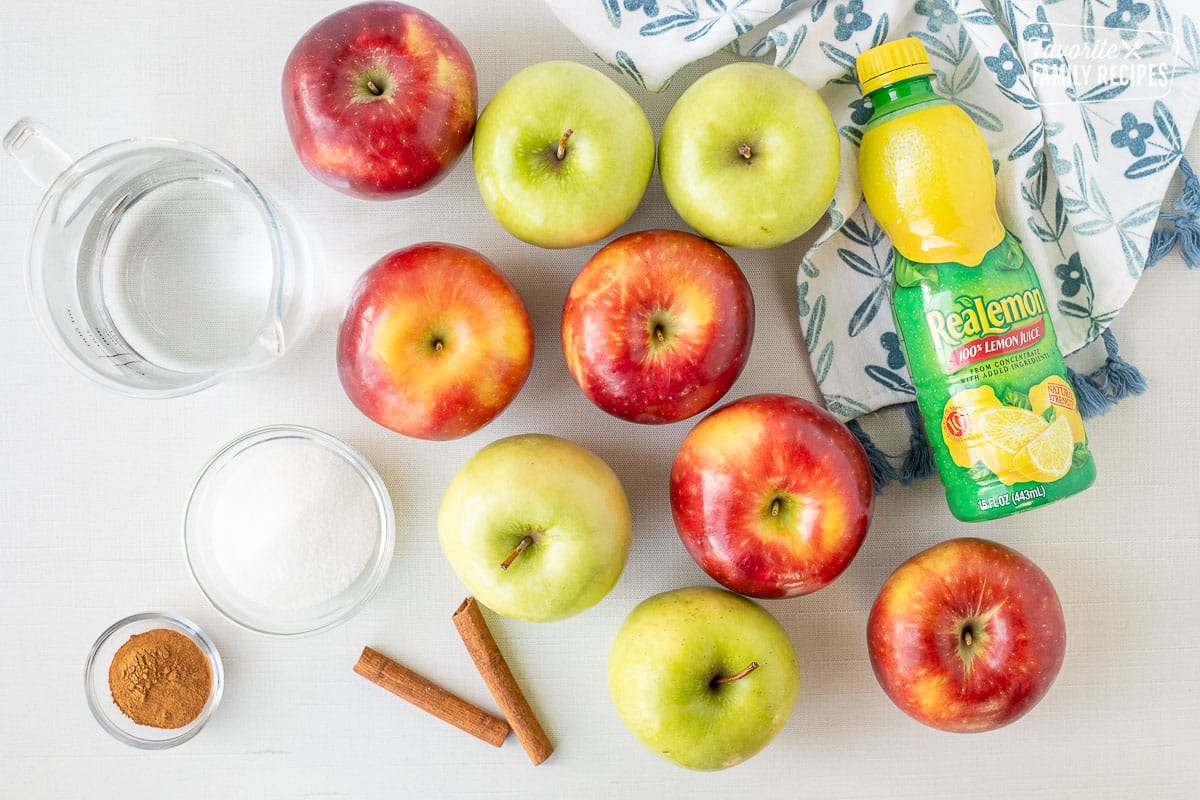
102,340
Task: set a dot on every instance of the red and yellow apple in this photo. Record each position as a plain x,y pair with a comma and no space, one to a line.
380,100
658,326
966,636
435,342
772,496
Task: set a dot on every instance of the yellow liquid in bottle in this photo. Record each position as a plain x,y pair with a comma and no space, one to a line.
927,178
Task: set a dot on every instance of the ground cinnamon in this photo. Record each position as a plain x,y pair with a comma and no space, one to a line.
160,678
490,663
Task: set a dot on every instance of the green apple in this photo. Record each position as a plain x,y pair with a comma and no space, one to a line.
562,155
536,527
703,677
749,156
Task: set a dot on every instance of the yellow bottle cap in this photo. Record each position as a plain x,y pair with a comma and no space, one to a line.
891,62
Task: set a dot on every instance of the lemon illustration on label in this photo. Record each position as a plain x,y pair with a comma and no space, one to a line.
980,430
960,419
1005,432
960,423
1057,393
1047,457
1010,428
1012,442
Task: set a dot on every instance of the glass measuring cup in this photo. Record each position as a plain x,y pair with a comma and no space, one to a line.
156,267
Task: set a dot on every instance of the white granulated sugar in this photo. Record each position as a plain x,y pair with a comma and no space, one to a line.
294,524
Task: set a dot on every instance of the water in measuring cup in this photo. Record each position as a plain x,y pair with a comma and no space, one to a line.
186,274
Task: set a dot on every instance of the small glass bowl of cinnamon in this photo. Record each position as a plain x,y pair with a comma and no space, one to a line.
152,680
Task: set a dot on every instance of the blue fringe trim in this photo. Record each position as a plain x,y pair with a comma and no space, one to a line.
1182,228
915,462
1092,399
1115,380
918,461
882,470
1120,378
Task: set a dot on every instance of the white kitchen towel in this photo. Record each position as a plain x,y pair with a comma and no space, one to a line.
1086,106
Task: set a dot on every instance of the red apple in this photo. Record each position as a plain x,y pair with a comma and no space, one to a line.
966,636
435,342
658,326
772,495
380,100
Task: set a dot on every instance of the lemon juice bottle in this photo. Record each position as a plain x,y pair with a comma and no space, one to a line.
1000,414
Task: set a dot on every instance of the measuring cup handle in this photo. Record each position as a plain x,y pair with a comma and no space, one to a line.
36,148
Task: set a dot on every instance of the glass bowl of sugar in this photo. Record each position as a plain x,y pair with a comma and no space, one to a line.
288,531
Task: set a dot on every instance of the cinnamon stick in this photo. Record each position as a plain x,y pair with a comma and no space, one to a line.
428,696
473,629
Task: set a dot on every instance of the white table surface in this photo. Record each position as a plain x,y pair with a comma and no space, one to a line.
92,484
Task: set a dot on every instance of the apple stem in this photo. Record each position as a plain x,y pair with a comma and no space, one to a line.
506,563
775,506
561,152
744,149
967,637
753,665
372,88
658,334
